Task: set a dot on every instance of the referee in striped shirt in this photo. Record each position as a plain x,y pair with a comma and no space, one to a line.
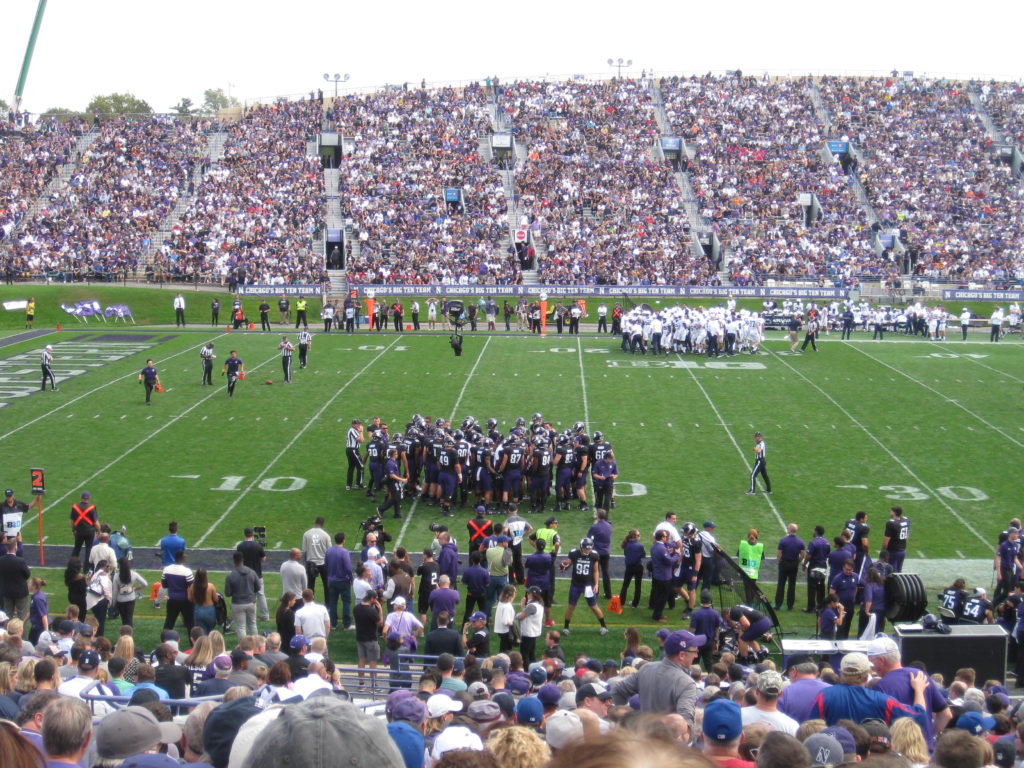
355,462
286,348
760,458
305,342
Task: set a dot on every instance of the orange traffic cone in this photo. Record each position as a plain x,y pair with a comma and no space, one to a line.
252,326
58,327
615,605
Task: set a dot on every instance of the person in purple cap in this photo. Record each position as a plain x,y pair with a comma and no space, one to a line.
666,686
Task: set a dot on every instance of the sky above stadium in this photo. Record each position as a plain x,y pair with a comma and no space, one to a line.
161,52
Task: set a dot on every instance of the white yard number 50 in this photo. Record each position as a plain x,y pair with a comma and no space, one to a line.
913,493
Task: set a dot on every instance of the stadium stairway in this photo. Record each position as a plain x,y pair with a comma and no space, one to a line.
59,181
999,138
824,116
698,224
338,291
215,141
486,153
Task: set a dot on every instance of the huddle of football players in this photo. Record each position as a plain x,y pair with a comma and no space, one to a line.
714,331
446,466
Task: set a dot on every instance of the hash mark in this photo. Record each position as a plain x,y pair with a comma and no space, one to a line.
960,555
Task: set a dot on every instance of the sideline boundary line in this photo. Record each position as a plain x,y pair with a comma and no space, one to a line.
455,408
934,391
290,443
141,442
721,421
93,391
853,419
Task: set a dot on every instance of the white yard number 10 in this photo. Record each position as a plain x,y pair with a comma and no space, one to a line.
287,483
913,493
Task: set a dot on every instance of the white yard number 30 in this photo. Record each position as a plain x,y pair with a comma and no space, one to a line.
913,493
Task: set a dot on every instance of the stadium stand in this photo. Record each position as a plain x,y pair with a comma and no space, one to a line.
609,210
929,171
409,146
255,212
923,189
757,146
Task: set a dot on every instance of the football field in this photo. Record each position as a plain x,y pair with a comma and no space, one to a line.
935,427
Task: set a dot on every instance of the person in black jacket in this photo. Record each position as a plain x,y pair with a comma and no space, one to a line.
14,576
444,639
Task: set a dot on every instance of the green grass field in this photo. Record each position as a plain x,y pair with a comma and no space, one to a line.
935,427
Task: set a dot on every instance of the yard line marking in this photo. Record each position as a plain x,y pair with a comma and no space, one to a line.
739,450
90,392
920,553
139,444
989,367
853,419
289,444
455,409
964,408
960,554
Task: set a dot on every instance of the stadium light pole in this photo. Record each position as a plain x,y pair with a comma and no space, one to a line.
337,79
620,63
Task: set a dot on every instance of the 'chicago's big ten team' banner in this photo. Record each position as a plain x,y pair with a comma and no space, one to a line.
258,289
954,295
612,291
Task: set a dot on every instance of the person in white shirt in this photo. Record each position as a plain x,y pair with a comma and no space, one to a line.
312,619
669,525
102,550
87,681
766,710
965,322
179,310
996,321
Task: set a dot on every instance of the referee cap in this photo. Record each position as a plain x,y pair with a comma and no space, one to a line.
49,348
357,421
758,434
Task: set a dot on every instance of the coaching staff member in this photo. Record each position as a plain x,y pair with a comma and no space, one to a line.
353,440
760,454
789,554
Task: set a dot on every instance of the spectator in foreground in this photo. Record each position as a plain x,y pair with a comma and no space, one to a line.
67,731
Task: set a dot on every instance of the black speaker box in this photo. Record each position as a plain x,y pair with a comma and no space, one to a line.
982,647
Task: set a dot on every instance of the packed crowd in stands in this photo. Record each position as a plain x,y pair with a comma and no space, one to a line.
609,213
929,171
408,146
255,213
603,207
30,155
1005,104
124,185
757,144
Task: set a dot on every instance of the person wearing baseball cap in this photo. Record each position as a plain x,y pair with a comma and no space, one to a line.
766,710
665,686
884,655
87,679
475,636
132,731
12,506
596,698
722,727
853,700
